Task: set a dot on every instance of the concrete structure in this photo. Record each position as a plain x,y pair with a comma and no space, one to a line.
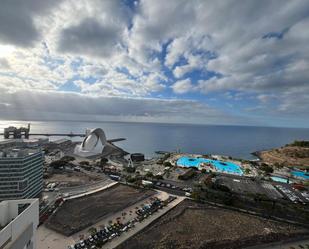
137,157
95,144
18,223
23,143
62,142
17,132
21,173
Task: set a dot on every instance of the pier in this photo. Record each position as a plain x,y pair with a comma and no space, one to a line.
27,135
16,133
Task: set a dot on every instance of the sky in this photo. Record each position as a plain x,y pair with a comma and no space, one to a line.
207,62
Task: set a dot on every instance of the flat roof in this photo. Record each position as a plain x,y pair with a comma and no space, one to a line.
61,140
16,152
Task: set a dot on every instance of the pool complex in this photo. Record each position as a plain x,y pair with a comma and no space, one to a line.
300,174
226,167
280,179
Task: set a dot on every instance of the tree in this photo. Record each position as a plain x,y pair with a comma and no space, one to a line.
203,171
158,177
300,143
130,169
84,163
278,165
103,161
266,168
247,171
195,195
92,230
58,164
167,164
131,179
67,158
149,174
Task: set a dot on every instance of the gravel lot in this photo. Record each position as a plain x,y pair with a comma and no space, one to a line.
71,179
77,214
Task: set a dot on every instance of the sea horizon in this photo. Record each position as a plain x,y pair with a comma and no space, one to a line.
238,141
26,121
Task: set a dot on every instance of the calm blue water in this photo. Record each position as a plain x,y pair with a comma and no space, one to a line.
236,141
279,179
226,167
301,174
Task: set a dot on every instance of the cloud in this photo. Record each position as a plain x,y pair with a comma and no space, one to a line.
91,37
17,20
182,86
255,51
49,105
4,64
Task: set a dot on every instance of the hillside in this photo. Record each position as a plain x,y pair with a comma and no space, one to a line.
295,154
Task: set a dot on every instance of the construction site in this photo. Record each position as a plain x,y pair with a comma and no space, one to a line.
79,213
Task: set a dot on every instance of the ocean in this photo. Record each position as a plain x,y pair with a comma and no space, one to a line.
235,141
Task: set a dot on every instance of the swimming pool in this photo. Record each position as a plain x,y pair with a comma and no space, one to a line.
226,167
280,179
300,174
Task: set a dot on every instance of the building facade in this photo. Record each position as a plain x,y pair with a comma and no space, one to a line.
21,173
19,220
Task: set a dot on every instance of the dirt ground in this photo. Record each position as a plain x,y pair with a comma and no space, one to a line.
196,226
77,214
73,179
289,156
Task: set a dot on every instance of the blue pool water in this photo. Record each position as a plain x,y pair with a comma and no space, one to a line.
226,167
301,174
279,179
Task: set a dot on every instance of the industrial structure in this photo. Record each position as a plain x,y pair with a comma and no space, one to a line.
19,220
16,132
21,173
137,157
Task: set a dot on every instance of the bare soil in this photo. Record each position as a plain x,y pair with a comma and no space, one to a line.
288,156
195,226
77,214
72,179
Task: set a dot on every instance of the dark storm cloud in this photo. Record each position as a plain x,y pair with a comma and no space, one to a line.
17,24
90,37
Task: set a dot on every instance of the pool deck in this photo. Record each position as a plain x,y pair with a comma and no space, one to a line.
300,175
220,166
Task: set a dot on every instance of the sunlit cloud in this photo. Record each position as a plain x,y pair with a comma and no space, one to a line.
236,63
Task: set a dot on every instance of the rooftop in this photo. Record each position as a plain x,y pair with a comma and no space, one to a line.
61,140
15,217
15,152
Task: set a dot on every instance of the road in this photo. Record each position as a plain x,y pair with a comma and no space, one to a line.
141,225
296,244
71,191
130,214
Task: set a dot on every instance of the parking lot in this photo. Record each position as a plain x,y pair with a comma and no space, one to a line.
115,230
243,185
80,213
293,195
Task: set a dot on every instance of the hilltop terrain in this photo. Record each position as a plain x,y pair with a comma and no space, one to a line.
291,155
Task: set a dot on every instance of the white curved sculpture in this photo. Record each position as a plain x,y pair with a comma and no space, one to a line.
93,144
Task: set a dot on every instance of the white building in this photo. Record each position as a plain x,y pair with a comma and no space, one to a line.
95,145
21,173
18,223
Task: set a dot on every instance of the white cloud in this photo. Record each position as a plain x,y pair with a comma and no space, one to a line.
182,86
107,48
